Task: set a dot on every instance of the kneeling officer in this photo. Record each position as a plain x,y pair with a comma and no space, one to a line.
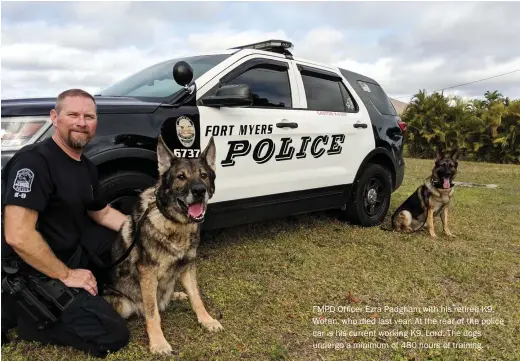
55,223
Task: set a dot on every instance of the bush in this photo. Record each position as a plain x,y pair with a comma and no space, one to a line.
484,130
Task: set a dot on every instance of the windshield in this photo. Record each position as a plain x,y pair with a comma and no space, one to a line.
157,81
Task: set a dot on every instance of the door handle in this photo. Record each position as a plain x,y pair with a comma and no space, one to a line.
287,125
358,124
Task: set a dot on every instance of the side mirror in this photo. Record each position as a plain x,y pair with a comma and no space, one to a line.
230,95
182,73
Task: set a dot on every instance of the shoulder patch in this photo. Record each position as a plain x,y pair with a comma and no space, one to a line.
23,181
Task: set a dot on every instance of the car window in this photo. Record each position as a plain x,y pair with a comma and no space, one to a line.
155,88
156,82
269,86
378,97
350,104
326,94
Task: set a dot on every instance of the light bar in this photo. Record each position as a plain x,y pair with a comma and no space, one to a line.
268,45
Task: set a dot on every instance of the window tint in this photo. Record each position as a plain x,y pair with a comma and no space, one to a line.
326,94
269,86
377,97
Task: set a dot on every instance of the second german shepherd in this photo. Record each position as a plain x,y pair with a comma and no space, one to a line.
432,198
172,212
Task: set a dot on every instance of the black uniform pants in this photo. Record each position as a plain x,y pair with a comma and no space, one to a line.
90,325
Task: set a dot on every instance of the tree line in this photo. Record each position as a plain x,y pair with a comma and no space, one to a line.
485,130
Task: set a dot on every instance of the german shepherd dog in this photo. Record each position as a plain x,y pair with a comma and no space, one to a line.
170,215
431,199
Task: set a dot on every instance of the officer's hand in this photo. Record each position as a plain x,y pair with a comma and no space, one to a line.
81,278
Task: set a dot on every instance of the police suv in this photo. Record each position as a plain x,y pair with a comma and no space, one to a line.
292,135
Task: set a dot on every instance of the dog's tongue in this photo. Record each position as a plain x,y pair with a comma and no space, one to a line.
195,209
446,183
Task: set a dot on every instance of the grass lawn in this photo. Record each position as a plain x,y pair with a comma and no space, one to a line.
264,280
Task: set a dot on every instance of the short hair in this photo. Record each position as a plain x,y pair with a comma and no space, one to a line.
72,93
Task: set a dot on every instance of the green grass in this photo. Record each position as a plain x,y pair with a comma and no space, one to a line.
265,278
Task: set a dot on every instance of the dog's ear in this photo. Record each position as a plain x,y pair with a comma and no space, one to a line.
210,154
440,153
164,156
455,153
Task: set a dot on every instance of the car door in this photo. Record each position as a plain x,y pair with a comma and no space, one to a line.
335,114
255,155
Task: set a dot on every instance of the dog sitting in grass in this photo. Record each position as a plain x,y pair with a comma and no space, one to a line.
431,199
169,215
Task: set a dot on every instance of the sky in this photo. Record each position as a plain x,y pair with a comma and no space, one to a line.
48,47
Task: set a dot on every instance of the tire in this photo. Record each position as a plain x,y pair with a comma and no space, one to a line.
370,197
121,189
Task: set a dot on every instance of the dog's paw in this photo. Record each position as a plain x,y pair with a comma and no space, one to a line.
162,347
179,296
433,235
212,325
451,235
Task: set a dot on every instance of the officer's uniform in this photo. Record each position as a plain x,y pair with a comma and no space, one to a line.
44,178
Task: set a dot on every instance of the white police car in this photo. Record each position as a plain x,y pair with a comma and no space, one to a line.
292,135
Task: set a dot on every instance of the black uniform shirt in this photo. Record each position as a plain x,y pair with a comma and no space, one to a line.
61,189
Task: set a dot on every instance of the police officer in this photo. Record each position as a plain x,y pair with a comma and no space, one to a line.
55,221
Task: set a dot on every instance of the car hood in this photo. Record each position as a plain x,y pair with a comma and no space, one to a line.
105,105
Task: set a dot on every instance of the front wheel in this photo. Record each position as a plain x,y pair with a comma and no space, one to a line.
122,188
370,199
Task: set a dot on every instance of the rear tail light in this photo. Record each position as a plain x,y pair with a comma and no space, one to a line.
402,125
19,131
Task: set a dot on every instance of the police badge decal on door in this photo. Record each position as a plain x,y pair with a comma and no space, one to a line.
182,135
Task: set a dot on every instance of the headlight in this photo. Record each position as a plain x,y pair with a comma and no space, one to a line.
20,131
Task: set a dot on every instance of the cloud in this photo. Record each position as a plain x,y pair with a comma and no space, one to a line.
50,46
380,71
323,44
228,38
41,69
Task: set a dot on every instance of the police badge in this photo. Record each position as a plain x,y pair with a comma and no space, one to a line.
181,135
185,131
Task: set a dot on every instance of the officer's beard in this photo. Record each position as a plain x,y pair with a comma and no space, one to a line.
79,142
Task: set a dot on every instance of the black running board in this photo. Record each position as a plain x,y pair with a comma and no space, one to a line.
249,210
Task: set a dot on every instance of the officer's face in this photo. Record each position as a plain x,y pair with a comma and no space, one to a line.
76,121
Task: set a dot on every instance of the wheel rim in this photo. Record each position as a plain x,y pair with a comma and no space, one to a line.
374,198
